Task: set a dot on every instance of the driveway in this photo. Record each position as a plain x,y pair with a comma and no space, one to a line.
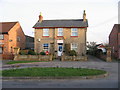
110,81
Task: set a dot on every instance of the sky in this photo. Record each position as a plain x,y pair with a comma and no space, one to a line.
101,14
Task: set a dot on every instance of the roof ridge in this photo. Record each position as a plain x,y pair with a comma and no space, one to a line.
64,19
9,22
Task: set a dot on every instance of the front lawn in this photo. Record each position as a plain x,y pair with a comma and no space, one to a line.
51,71
15,62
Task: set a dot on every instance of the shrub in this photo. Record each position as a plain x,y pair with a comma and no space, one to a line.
72,53
22,52
31,52
42,53
67,49
83,54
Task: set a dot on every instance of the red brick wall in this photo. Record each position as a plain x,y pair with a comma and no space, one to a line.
6,45
13,34
113,41
119,45
10,41
21,34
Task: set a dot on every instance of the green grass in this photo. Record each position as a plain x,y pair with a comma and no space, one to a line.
51,71
15,62
0,72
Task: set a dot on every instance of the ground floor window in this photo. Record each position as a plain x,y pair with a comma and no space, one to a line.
1,50
74,46
46,47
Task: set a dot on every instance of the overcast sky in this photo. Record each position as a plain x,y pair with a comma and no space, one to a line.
101,14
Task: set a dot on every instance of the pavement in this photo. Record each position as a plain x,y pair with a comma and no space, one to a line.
110,81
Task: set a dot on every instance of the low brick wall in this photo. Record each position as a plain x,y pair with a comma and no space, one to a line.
7,56
33,57
74,58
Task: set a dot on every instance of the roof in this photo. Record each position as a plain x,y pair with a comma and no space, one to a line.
6,26
29,36
118,27
61,23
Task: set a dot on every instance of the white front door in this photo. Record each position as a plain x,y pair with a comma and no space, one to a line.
60,50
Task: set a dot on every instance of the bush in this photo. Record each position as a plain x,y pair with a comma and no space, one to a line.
22,52
72,53
42,53
31,52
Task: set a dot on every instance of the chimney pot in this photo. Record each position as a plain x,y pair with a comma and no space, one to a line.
40,17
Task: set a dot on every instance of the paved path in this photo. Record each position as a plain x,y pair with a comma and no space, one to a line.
108,82
55,63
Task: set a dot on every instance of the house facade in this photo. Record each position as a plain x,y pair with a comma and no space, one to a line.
114,41
29,42
11,36
56,35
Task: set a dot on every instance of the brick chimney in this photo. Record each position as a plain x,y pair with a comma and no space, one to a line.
40,17
84,16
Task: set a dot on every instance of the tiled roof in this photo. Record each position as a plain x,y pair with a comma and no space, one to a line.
61,23
29,36
6,26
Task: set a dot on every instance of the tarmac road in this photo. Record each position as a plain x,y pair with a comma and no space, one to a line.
110,81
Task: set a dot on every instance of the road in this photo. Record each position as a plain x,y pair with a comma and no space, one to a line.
110,81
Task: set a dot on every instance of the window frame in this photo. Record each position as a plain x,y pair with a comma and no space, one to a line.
58,34
46,47
74,32
75,47
44,32
2,50
2,37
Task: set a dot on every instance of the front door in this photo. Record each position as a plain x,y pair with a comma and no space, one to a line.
60,50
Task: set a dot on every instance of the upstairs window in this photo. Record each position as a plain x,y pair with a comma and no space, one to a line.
74,46
45,32
1,37
60,31
74,32
46,47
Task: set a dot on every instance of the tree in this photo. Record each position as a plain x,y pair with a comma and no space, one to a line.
92,48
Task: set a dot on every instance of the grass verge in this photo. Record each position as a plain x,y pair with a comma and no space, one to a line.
15,62
51,71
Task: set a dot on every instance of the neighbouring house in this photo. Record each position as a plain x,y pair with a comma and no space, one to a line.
56,35
114,41
29,42
11,37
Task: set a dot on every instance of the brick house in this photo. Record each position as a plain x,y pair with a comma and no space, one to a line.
11,36
29,42
54,35
114,41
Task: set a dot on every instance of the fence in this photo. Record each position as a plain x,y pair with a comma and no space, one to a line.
33,57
